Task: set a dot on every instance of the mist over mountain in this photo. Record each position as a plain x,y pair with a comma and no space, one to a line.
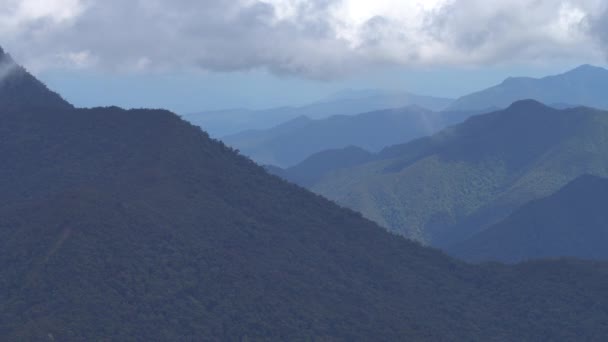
135,225
290,143
583,86
445,188
229,122
19,88
570,223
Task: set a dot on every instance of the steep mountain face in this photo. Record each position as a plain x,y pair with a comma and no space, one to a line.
18,88
229,122
582,86
134,225
294,141
445,188
570,223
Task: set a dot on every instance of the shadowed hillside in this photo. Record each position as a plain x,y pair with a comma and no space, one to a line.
572,222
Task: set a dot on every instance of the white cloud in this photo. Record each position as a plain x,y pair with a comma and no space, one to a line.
314,38
79,59
17,15
598,26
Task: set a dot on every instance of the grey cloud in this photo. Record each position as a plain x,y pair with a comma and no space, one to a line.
490,31
233,35
213,34
598,27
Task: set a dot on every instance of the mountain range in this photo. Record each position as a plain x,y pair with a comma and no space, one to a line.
294,140
228,122
582,86
570,223
290,143
135,225
445,188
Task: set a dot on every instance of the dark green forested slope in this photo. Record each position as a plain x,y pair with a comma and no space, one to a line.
447,187
572,222
134,225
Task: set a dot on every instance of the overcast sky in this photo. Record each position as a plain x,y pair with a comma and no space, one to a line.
198,54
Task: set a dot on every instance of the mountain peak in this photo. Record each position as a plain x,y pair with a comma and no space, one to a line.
586,72
526,104
587,67
19,88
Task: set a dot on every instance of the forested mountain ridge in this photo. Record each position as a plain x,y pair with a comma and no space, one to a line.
445,188
135,225
570,223
291,142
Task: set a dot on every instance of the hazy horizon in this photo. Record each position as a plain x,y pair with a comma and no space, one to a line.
186,93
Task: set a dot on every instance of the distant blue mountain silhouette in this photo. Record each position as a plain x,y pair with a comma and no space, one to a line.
585,86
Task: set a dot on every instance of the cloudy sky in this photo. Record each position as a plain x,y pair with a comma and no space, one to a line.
203,54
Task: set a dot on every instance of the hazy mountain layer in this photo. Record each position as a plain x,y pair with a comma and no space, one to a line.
582,86
294,141
229,122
